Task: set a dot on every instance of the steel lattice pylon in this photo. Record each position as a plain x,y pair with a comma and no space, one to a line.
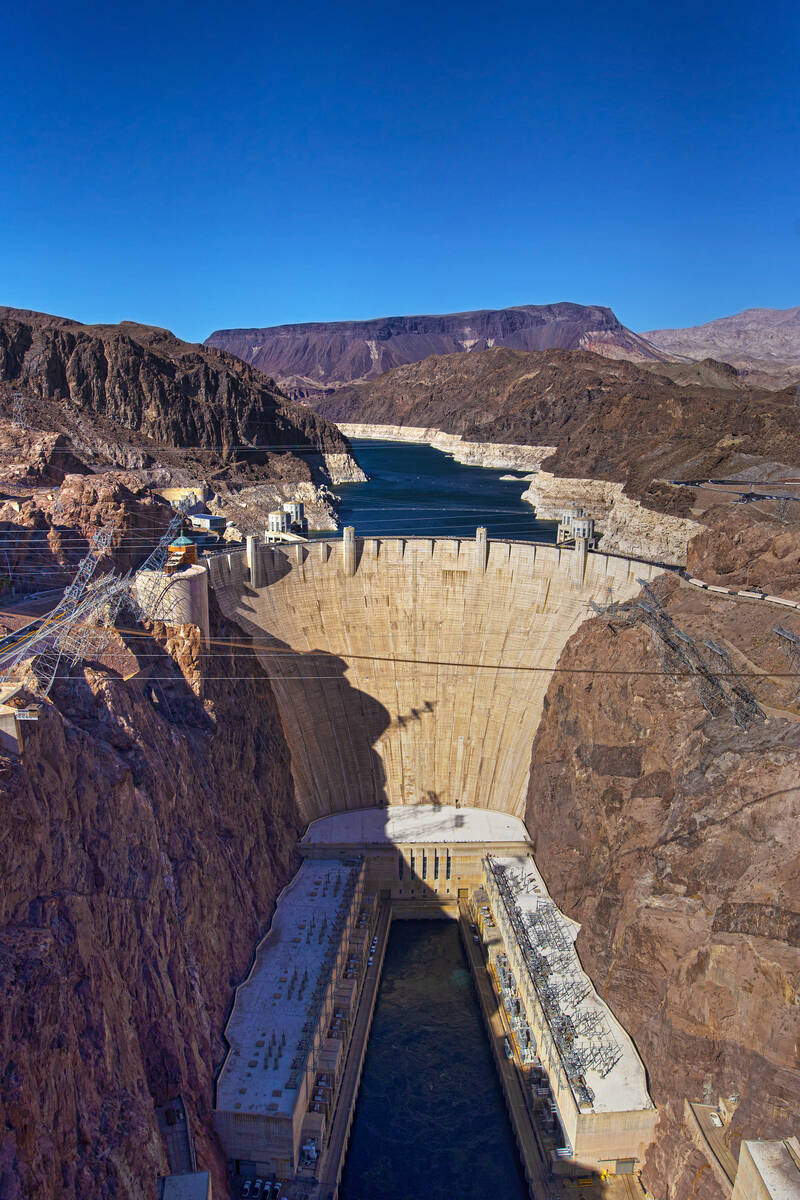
790,645
46,645
70,632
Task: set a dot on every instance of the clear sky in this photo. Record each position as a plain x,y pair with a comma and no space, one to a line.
204,165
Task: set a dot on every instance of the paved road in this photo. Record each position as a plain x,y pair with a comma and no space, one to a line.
717,590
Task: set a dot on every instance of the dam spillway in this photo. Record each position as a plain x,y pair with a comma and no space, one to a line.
413,670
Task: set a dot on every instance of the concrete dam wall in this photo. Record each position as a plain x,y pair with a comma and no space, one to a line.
413,670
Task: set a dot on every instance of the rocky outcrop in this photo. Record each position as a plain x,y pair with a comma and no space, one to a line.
343,468
476,454
626,525
145,833
307,358
672,837
249,507
146,381
46,534
739,552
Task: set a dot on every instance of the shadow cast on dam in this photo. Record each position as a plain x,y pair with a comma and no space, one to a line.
332,727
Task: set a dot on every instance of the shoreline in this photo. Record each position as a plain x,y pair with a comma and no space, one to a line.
628,528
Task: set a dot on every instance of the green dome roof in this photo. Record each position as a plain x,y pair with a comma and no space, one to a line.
183,540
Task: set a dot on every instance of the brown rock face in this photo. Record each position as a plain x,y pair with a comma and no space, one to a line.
146,380
673,838
145,833
608,419
739,552
41,552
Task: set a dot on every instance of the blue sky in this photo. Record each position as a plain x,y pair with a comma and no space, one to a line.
206,165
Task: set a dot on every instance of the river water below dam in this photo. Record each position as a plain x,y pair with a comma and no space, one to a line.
416,490
430,1121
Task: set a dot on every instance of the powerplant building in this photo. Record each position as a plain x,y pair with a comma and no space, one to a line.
597,1080
288,1032
417,853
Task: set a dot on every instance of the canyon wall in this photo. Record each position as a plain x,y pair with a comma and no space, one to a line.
382,655
627,526
475,454
673,838
146,830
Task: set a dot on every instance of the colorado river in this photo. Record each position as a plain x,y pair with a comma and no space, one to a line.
430,1120
415,490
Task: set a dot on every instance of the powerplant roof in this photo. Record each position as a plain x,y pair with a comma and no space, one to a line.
624,1088
403,823
274,1002
778,1164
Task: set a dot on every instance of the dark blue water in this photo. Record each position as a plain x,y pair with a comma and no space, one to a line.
416,490
430,1120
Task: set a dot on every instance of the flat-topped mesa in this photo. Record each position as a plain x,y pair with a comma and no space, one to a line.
413,670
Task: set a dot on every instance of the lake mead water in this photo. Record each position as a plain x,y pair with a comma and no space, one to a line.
430,1120
415,490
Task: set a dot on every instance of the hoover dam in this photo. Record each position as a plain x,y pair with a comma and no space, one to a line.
410,676
413,670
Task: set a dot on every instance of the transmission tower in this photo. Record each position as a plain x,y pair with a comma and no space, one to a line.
679,655
46,645
743,704
156,560
80,625
156,604
18,413
790,645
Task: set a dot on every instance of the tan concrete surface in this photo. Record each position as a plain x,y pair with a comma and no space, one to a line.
416,668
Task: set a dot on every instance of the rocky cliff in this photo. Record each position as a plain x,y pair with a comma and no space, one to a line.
672,836
127,380
145,832
476,454
627,526
308,358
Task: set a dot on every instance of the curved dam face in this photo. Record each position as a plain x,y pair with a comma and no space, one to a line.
413,670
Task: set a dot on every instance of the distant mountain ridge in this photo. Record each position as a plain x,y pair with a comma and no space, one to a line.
762,343
312,358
